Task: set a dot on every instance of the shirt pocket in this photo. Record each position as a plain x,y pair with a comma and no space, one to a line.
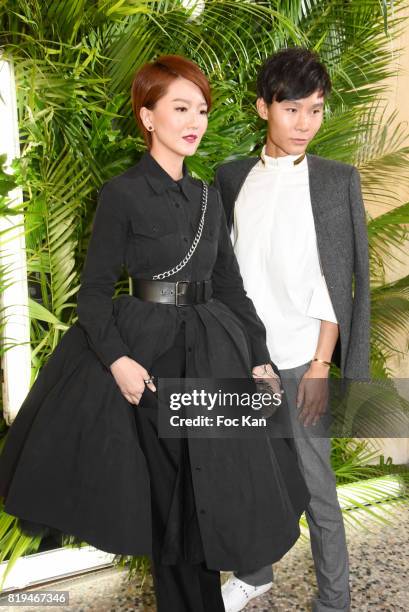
149,237
153,226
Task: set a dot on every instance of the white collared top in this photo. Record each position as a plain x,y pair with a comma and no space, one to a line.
275,243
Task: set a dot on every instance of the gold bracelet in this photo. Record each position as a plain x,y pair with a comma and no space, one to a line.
327,363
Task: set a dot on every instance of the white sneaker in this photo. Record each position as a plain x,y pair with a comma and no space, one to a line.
237,594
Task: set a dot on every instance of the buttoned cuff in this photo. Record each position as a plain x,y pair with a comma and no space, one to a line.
113,356
108,352
259,354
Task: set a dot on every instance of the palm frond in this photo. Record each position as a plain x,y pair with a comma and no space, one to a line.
390,315
386,231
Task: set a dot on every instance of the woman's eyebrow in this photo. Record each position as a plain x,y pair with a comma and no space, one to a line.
187,101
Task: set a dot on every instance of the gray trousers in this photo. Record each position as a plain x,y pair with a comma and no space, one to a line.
324,517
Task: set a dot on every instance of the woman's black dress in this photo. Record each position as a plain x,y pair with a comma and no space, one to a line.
73,458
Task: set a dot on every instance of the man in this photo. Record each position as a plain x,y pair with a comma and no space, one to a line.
299,232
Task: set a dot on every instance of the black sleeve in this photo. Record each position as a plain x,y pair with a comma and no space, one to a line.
228,288
102,269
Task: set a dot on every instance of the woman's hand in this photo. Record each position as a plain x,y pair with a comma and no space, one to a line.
266,371
130,377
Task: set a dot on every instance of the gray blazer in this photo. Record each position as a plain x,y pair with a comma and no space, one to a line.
340,224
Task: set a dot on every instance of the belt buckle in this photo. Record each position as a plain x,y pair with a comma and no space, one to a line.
177,294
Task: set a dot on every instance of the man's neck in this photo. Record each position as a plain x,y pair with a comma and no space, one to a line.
272,150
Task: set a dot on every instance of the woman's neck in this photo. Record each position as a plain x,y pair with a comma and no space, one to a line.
170,162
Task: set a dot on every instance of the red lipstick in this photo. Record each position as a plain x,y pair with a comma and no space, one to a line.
190,138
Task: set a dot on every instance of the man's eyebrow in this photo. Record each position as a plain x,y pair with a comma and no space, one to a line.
187,101
289,101
296,103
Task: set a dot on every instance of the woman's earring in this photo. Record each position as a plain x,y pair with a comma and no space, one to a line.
150,128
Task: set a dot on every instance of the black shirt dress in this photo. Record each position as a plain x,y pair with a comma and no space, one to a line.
73,459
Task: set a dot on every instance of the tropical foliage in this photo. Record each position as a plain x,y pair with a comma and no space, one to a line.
74,63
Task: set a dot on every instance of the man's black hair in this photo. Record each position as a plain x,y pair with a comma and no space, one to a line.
291,74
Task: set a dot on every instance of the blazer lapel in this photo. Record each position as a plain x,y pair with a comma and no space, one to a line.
318,199
316,185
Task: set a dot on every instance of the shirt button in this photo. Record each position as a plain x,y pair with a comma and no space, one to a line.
198,469
184,238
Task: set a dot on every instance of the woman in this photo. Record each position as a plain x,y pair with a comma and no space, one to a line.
83,455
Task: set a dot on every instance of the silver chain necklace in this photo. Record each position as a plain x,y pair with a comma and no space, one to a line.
195,242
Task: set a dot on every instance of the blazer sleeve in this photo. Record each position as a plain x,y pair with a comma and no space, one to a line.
103,265
228,288
357,361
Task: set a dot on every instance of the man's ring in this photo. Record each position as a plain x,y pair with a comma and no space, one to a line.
149,380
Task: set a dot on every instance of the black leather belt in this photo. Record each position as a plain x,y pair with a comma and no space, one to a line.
179,293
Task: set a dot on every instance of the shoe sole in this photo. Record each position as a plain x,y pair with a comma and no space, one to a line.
254,596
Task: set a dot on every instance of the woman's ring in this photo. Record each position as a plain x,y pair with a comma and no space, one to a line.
149,380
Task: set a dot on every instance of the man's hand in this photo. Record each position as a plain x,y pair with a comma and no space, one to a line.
130,376
267,372
312,396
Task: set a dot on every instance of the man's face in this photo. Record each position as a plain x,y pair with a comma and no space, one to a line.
291,124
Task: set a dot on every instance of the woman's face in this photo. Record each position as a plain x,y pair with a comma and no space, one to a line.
179,119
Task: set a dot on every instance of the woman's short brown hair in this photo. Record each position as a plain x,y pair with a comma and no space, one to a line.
152,80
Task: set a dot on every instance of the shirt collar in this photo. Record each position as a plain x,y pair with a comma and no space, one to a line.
160,180
284,162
